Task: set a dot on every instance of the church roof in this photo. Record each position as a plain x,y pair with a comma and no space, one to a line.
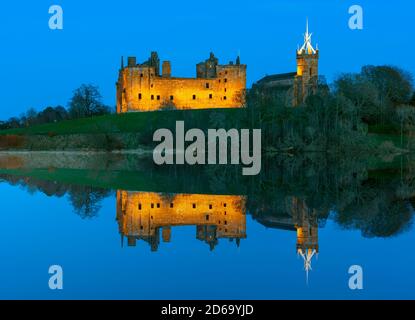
277,77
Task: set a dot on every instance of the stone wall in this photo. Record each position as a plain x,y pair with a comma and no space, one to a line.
140,89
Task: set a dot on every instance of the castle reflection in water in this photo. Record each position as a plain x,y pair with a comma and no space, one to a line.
144,215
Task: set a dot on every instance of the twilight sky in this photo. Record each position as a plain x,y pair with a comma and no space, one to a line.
41,67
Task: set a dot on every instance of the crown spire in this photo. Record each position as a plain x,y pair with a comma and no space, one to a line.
307,47
307,256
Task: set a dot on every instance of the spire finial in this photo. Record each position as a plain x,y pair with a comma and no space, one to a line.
307,47
307,256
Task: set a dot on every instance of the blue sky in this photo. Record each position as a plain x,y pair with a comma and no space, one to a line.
42,67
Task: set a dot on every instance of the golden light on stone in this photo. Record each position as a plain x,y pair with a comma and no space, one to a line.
141,87
141,215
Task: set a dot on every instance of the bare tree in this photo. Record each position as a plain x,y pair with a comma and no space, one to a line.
87,102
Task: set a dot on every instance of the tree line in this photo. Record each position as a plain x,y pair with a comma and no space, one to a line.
378,99
86,101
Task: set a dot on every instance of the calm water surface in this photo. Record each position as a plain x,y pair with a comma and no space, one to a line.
293,233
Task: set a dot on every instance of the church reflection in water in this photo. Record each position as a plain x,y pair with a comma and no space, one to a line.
144,215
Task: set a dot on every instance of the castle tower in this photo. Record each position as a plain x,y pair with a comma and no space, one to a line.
307,70
166,69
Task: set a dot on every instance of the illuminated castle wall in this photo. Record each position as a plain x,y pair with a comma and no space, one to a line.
305,221
141,87
144,215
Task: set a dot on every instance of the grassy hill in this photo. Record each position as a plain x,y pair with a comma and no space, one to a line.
135,130
128,122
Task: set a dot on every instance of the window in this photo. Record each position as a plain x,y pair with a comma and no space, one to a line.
171,205
224,205
158,205
226,80
219,80
158,97
210,96
210,206
139,206
152,97
224,98
194,205
226,72
141,75
226,222
152,205
225,89
141,227
152,85
207,85
171,98
207,217
139,96
194,97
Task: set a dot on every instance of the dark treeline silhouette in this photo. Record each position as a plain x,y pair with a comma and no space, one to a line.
378,99
378,92
378,202
85,200
85,102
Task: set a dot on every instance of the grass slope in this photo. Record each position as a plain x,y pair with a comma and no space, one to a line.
126,122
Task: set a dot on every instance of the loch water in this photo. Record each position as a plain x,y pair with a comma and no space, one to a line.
122,228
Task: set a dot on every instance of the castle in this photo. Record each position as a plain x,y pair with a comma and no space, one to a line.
141,87
142,215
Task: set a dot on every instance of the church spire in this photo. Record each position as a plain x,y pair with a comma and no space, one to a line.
307,256
307,47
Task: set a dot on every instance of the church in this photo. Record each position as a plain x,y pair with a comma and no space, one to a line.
300,84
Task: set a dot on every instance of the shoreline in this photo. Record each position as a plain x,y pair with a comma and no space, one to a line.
75,152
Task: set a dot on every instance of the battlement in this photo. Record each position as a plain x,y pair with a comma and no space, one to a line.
314,55
141,87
